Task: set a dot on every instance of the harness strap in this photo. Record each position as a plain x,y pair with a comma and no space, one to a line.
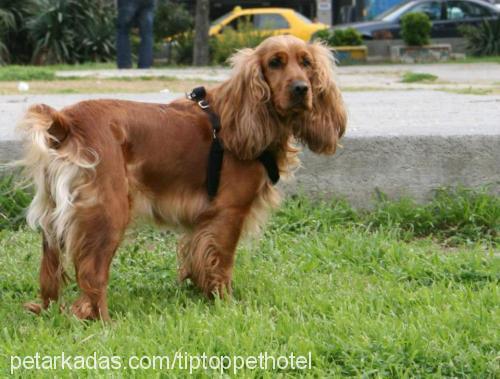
216,154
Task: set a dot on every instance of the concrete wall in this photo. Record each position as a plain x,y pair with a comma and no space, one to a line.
380,49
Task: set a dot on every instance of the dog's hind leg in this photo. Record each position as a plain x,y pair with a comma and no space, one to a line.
51,277
97,236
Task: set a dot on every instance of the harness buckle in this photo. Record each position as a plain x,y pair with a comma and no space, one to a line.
203,104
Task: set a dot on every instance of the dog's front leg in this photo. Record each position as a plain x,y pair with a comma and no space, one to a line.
207,255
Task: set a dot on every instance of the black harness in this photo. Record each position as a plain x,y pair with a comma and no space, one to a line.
217,149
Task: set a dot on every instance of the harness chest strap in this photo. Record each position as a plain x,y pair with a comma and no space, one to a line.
216,154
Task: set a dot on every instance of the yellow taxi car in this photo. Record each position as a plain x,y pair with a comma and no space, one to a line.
268,20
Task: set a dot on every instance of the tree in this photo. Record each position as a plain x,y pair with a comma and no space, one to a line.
202,25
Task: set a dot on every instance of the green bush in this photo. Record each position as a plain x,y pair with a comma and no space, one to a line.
7,24
171,19
416,29
230,41
182,48
484,39
71,31
17,46
340,37
56,31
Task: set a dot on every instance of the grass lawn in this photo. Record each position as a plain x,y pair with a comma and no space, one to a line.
415,77
394,293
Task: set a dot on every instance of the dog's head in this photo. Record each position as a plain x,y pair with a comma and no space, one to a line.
284,86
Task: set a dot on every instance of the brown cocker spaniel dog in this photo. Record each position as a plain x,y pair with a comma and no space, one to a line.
97,164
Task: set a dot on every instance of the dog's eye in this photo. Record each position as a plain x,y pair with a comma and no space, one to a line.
275,62
306,62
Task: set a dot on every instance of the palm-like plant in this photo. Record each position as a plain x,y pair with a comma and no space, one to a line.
6,22
484,39
98,42
72,31
13,33
54,30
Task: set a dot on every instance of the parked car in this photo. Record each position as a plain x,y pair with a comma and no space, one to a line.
268,20
446,17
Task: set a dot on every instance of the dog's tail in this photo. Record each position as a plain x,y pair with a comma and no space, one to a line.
58,167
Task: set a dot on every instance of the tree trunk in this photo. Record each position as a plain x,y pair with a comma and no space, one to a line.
202,25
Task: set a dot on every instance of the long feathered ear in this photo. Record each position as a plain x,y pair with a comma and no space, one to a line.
242,104
321,129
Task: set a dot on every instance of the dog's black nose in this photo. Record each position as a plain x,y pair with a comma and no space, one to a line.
299,88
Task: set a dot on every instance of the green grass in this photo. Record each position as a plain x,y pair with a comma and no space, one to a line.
414,77
16,72
377,294
11,73
13,200
471,91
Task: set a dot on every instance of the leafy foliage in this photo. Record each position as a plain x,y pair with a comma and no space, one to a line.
18,45
416,29
7,22
230,40
182,48
340,37
56,31
72,31
171,19
484,39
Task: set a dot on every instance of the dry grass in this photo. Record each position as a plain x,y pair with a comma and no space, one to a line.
103,86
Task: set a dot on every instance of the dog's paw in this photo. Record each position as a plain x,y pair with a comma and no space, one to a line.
33,307
82,309
220,288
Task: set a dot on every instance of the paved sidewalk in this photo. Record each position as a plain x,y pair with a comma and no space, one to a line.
379,113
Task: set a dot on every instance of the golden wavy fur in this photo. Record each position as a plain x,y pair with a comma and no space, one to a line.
97,164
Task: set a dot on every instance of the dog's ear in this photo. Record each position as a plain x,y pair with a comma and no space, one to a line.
242,104
321,129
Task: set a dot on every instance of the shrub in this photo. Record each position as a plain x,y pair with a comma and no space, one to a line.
6,22
484,39
230,41
70,31
18,46
171,19
340,37
346,37
182,48
416,29
98,44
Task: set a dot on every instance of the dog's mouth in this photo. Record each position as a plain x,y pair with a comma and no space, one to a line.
299,105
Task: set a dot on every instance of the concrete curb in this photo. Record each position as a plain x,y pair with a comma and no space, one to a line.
413,166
